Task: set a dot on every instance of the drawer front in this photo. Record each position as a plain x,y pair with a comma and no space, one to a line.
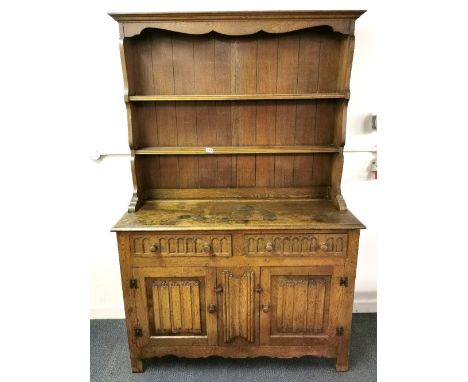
296,244
163,245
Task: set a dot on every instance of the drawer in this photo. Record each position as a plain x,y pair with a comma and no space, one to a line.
295,244
164,245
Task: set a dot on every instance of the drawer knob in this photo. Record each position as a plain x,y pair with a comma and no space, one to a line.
206,247
266,308
323,247
219,289
212,308
258,289
155,248
269,246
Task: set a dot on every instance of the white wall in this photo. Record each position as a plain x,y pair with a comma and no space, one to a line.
111,175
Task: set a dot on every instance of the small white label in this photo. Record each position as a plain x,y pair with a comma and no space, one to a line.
209,150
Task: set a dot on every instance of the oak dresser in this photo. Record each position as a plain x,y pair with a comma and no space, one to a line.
237,241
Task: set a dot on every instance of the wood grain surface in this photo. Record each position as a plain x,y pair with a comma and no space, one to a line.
167,215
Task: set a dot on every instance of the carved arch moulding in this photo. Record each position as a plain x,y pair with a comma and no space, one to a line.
237,23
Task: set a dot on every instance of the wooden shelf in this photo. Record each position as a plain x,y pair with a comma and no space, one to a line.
165,215
237,97
236,150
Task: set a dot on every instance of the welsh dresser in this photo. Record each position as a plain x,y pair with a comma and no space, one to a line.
237,241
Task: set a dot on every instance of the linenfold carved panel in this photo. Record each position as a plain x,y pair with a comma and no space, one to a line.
179,245
176,307
296,244
300,305
238,306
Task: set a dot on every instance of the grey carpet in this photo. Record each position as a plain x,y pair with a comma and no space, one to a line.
110,361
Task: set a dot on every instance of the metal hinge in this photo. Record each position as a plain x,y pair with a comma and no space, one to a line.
339,331
138,332
344,281
133,283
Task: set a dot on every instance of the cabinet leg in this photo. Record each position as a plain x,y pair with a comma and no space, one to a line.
342,363
137,365
342,355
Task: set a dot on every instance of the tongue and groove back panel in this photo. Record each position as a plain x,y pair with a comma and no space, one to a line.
170,63
167,63
236,123
260,170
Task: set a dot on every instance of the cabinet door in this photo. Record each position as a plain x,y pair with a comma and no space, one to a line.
297,305
238,300
176,306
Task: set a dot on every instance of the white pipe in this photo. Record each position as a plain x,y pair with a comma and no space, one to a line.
96,155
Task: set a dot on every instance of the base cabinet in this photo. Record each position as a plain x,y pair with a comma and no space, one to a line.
239,305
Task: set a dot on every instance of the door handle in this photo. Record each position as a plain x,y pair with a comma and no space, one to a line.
212,308
266,308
